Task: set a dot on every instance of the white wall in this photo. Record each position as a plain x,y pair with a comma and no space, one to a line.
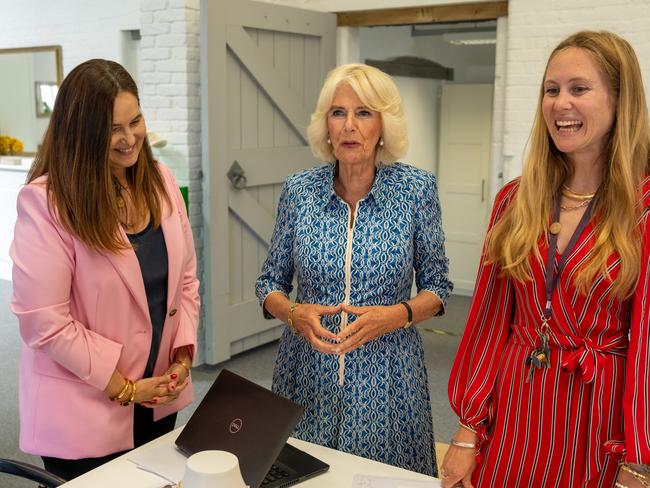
85,29
534,28
473,64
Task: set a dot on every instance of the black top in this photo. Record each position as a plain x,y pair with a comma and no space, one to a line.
151,250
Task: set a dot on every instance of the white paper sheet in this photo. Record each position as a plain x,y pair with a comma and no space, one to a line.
364,481
163,460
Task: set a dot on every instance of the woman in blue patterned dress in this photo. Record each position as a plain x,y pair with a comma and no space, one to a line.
352,232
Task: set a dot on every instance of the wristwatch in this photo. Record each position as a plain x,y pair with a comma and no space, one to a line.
409,311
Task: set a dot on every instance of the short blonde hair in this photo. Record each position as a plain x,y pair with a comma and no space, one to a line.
378,92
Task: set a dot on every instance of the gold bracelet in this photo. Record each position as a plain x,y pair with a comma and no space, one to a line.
119,396
125,403
133,392
292,327
184,364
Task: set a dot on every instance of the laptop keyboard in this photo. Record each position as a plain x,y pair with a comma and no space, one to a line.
275,473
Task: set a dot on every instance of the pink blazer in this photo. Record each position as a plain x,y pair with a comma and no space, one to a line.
82,314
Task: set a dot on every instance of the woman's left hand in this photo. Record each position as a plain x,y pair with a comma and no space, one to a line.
372,322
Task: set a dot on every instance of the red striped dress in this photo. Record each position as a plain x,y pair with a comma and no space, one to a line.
573,422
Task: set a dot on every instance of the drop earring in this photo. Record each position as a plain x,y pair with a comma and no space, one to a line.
381,142
329,143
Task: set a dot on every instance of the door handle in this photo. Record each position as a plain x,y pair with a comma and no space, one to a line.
236,176
482,190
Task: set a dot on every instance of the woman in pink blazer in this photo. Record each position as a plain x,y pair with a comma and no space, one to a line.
104,278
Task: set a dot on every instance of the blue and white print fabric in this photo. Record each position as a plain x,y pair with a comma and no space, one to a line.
383,410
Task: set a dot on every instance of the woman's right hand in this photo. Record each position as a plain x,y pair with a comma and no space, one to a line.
306,320
459,462
155,391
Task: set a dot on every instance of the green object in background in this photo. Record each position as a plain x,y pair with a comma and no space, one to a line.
186,198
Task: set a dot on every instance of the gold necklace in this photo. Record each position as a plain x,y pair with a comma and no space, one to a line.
569,193
570,208
118,190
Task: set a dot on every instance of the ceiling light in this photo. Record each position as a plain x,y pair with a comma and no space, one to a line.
470,38
473,42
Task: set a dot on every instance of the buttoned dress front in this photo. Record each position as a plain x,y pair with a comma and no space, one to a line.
571,423
382,411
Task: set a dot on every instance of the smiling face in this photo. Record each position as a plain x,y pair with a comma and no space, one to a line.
578,106
354,129
128,133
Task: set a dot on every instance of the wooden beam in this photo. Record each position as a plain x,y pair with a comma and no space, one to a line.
261,165
252,214
424,15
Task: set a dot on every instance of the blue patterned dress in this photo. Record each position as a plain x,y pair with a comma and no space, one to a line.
382,411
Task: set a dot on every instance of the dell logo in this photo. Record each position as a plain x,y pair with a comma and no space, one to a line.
235,426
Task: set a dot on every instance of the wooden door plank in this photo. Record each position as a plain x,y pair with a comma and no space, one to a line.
233,75
278,18
274,83
281,127
261,165
424,15
249,313
245,206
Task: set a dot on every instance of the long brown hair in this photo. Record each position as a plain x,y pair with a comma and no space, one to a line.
75,157
517,233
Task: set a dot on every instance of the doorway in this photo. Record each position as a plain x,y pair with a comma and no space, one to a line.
449,116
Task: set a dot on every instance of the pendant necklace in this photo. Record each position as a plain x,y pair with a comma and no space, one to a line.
540,357
118,190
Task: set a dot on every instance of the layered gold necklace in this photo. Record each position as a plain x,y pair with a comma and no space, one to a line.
583,198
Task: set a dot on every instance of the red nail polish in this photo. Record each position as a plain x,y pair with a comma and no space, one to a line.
153,400
174,376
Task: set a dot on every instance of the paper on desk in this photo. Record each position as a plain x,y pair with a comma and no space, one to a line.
363,481
163,460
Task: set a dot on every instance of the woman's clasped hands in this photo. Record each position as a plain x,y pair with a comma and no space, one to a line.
372,322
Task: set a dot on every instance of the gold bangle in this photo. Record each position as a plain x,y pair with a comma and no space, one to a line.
133,392
132,388
292,327
182,363
119,396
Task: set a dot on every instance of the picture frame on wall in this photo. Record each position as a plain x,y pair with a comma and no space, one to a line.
45,94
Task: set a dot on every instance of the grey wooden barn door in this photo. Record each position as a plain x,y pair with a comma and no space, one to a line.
263,66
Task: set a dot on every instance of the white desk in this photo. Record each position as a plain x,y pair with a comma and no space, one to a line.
343,467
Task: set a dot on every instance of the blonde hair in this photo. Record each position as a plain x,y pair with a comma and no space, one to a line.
378,92
517,233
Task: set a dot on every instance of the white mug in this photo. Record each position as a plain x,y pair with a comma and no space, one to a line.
209,469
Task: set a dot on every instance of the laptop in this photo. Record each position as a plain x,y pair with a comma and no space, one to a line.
253,423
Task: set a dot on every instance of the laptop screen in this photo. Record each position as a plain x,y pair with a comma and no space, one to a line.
241,417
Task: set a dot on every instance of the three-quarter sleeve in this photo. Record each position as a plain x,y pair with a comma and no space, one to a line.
278,268
429,260
636,400
474,372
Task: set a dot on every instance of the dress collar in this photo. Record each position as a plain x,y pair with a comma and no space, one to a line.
377,191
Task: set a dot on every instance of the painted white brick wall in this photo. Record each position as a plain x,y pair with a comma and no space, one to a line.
170,95
85,30
534,29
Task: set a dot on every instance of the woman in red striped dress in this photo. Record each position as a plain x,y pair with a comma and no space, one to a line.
552,378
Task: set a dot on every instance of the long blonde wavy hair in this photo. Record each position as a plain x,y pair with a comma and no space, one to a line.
516,235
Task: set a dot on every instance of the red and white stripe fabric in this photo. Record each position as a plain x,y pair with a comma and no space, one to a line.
573,422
